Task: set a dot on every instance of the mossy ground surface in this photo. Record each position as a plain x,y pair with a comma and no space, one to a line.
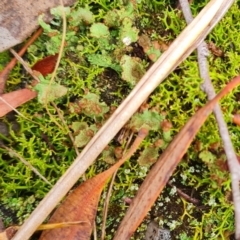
94,72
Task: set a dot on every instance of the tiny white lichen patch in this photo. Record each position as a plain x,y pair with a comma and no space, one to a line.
127,41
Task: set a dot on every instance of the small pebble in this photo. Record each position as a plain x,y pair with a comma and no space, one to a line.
154,232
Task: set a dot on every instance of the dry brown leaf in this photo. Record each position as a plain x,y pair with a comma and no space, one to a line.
15,99
81,204
159,175
46,65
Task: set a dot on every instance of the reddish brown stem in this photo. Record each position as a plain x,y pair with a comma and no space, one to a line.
185,196
5,72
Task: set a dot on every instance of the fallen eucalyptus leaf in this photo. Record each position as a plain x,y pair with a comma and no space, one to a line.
163,169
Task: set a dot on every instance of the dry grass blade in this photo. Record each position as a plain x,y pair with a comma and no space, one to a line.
187,41
159,175
25,65
107,200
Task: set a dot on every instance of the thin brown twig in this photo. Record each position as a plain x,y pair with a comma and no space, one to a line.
106,204
228,146
25,65
184,195
107,200
5,72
